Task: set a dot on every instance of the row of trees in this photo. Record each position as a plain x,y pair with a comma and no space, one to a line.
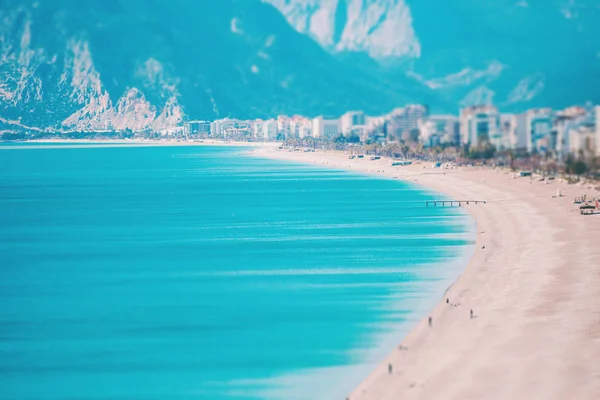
485,153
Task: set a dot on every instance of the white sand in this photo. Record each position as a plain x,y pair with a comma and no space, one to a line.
534,291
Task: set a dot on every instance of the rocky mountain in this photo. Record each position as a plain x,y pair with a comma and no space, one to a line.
151,64
148,65
516,53
380,28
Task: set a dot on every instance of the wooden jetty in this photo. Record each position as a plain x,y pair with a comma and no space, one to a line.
452,203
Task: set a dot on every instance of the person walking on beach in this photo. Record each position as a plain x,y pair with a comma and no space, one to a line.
430,321
390,369
471,313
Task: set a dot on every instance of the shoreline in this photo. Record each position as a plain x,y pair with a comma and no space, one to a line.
95,143
532,283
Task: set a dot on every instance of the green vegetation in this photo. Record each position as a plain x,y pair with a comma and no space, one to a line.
485,151
347,139
577,167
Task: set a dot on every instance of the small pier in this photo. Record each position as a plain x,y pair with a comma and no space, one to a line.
452,203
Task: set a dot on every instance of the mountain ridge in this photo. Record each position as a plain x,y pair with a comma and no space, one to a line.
140,65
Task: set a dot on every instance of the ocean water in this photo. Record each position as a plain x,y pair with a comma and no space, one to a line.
206,273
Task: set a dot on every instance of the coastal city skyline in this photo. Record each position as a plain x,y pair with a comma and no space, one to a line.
571,131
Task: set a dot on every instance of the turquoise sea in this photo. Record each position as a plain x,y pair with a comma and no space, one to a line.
206,273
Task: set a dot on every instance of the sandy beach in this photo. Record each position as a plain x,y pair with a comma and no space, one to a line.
533,286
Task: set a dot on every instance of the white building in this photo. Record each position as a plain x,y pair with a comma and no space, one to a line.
562,128
405,120
283,125
257,128
215,128
305,130
300,127
519,139
513,131
428,134
565,123
230,127
196,128
479,124
323,127
218,127
508,128
295,126
269,130
538,126
353,123
582,140
445,127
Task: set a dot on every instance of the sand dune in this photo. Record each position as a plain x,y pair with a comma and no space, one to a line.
534,291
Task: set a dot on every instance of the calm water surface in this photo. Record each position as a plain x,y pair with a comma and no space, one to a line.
204,273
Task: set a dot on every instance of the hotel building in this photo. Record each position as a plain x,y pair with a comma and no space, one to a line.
353,123
479,124
196,128
405,120
538,124
324,127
